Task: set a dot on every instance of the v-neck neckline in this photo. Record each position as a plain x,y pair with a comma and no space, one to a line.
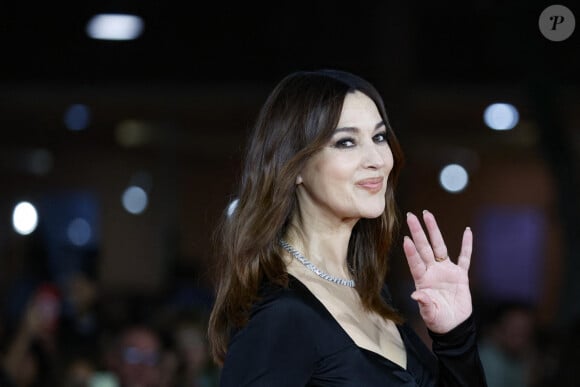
348,337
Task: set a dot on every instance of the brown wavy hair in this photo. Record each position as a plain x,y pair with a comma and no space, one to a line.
298,118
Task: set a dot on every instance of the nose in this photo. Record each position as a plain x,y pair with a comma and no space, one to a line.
374,156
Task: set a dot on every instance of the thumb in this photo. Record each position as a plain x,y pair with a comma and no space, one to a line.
421,297
426,307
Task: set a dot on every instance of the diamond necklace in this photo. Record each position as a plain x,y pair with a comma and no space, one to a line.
312,267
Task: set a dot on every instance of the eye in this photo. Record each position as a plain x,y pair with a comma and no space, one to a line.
344,143
380,137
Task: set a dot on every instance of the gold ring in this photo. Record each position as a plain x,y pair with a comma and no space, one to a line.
441,259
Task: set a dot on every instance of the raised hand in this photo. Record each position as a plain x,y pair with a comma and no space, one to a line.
441,286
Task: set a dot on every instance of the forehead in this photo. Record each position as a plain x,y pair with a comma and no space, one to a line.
358,108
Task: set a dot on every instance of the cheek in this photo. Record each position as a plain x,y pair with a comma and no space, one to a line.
340,183
389,160
344,168
332,172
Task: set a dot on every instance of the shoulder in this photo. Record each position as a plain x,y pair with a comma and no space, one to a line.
277,334
293,304
288,313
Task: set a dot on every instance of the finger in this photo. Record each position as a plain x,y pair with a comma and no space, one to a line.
437,242
464,259
420,240
416,264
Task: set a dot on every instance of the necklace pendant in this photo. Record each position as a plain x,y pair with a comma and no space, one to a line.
313,268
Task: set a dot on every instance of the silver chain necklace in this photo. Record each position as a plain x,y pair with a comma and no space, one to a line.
312,267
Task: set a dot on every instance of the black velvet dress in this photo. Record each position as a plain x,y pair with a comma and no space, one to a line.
291,339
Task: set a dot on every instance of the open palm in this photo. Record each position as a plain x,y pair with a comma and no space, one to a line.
441,286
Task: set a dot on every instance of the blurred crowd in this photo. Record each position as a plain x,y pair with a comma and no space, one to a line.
76,335
517,351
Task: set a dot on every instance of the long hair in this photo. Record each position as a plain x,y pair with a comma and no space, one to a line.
298,118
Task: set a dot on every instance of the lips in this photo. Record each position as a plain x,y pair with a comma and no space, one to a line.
373,185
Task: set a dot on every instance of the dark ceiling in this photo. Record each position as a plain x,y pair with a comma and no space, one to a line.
427,42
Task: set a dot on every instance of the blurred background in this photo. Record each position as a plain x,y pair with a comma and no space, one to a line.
119,154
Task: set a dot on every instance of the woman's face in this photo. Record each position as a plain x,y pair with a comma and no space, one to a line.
347,178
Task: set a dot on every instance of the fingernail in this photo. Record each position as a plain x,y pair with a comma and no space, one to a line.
408,214
468,228
425,212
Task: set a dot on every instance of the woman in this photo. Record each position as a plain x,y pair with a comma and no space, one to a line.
301,299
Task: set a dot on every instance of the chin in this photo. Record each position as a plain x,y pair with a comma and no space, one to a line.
374,210
371,213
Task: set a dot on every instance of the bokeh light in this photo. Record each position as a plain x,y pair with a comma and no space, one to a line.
134,200
77,117
111,26
501,116
232,207
453,178
24,218
79,232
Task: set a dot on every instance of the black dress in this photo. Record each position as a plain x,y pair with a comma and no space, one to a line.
291,339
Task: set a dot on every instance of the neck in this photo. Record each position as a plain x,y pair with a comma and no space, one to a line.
323,244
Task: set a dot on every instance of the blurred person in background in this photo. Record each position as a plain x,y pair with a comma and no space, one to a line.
507,345
31,357
81,325
79,373
195,366
140,360
559,356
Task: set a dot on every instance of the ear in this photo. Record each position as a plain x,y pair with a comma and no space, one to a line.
298,179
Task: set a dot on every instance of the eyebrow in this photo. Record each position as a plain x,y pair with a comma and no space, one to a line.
353,129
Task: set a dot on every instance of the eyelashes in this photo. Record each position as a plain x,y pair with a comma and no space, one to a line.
344,143
380,137
349,142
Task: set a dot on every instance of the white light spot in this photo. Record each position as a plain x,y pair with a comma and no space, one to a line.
24,218
453,178
232,207
501,116
110,26
134,200
79,232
